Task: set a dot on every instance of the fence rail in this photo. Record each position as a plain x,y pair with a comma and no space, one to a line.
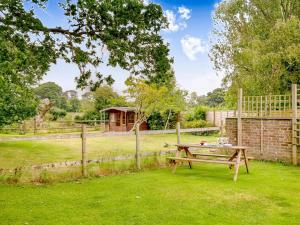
31,127
104,134
64,164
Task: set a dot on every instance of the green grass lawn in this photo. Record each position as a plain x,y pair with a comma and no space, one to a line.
204,195
24,153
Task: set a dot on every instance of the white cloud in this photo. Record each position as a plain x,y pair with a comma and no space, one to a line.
191,46
184,12
177,20
171,17
146,2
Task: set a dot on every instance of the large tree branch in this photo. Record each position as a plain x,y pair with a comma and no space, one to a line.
68,32
57,30
266,16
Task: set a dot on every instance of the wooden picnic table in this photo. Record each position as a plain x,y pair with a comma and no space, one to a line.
239,156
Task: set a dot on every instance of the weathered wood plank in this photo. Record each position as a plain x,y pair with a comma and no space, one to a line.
217,155
210,146
294,120
201,160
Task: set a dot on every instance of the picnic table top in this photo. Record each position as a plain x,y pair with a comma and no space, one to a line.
211,146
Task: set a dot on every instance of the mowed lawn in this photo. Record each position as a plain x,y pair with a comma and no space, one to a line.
24,153
204,195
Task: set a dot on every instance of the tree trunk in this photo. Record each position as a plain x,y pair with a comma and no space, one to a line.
137,146
178,128
168,119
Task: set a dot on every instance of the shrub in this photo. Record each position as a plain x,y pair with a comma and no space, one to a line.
157,121
189,116
200,112
16,176
44,178
197,113
57,113
90,115
195,124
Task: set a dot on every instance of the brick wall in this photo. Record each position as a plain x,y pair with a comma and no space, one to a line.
267,139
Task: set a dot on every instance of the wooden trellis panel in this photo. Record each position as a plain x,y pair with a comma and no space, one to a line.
267,106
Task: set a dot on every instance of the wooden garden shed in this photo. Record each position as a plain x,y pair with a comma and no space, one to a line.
122,119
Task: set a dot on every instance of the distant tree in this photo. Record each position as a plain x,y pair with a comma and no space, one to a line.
105,97
87,106
87,95
73,105
195,99
53,92
49,90
216,97
70,94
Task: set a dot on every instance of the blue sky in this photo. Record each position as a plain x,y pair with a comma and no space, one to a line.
188,35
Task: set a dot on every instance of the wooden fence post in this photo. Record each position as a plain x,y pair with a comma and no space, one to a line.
23,127
137,146
294,124
178,128
83,149
34,125
222,128
261,136
239,119
214,120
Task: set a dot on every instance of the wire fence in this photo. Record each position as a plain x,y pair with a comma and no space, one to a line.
65,126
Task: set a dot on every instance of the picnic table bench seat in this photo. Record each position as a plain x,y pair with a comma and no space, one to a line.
201,160
217,155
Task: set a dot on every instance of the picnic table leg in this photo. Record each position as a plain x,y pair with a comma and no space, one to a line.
174,162
188,154
174,166
246,160
237,165
231,158
178,152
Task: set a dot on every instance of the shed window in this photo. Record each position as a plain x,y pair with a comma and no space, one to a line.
131,118
118,119
123,118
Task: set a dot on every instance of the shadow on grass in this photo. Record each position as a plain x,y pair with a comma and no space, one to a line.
209,172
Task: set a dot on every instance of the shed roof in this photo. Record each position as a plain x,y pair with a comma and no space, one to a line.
123,109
